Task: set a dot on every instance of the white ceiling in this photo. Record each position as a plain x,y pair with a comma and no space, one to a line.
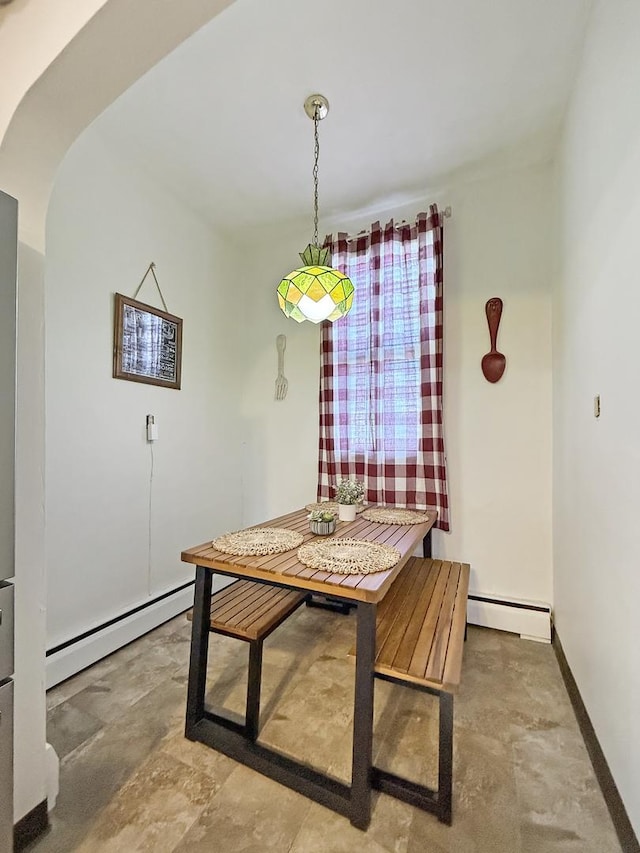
418,89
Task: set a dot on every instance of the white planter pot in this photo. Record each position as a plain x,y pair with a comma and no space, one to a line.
347,512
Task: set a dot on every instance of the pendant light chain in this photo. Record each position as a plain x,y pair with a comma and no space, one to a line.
315,176
315,291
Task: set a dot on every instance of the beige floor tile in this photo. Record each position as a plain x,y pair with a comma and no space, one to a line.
250,814
313,714
485,809
562,808
153,810
92,775
61,692
68,727
522,779
115,693
213,764
324,830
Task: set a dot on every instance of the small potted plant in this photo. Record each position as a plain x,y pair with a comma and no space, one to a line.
322,522
348,494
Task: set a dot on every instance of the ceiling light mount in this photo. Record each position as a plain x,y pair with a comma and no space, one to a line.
316,291
316,107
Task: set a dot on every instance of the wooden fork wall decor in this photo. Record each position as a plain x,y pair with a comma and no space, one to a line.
281,381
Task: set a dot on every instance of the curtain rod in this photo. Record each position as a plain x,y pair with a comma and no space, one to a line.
446,214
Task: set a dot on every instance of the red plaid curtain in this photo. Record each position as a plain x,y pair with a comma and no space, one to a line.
381,373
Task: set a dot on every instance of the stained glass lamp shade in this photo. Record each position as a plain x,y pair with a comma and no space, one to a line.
315,292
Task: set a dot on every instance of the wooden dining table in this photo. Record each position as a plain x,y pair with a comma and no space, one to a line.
365,591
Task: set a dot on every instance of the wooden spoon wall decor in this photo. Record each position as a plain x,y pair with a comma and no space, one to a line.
494,362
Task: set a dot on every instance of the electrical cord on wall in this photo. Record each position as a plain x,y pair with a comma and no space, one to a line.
150,516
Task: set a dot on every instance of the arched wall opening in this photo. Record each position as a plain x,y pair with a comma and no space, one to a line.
62,69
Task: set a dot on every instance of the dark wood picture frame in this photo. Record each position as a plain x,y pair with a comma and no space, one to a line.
147,344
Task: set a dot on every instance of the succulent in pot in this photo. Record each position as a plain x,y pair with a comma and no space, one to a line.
322,522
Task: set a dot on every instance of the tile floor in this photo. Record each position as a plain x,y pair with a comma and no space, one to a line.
130,782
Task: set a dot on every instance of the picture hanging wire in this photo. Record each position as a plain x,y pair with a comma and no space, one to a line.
152,269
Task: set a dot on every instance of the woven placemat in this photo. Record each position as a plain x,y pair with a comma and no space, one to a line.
330,506
391,515
258,541
348,556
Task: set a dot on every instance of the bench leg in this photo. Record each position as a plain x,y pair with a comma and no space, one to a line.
426,545
445,758
253,689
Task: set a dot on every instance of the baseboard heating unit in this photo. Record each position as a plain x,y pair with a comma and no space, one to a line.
77,653
530,619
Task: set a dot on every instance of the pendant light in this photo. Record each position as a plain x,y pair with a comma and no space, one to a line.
315,291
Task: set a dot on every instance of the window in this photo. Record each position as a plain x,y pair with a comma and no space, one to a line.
381,378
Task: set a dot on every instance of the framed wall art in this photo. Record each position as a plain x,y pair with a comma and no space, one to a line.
147,345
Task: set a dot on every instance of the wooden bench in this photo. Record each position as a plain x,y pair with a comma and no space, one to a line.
420,632
251,611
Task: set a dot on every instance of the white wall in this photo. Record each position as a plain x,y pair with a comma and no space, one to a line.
32,34
29,697
597,462
81,81
498,436
106,223
280,438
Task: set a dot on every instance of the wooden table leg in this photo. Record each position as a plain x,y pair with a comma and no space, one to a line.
199,650
362,761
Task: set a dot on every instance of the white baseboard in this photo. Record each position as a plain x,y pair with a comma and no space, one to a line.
78,655
530,619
